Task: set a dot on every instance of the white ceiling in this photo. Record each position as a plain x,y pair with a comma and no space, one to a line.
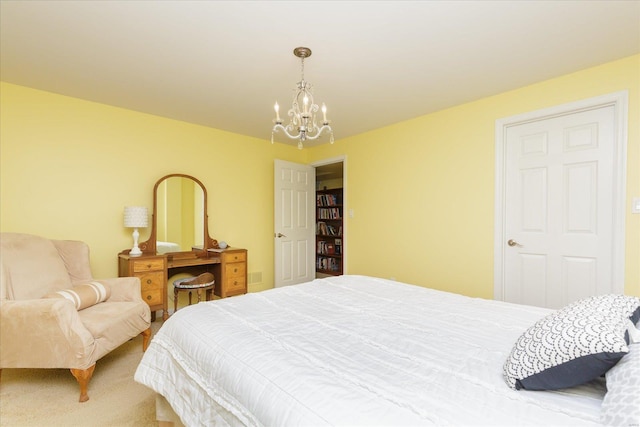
223,64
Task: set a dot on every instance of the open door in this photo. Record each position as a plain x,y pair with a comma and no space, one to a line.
294,218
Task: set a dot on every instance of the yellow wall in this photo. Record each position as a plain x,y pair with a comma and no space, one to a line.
422,191
68,167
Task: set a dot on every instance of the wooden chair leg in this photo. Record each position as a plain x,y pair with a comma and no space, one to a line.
146,338
83,376
189,297
175,299
199,295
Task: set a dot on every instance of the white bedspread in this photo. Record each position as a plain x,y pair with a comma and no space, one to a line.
352,350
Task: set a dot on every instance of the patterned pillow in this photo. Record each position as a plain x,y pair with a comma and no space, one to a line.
573,345
633,332
621,404
83,296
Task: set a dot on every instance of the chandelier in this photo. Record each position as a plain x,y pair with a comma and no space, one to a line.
303,117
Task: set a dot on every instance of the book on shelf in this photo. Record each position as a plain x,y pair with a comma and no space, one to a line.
329,213
324,229
328,200
325,248
328,264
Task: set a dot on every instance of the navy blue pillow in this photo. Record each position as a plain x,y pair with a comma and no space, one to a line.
573,345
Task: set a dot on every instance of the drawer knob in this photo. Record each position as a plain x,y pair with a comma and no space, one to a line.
235,270
149,297
148,281
148,265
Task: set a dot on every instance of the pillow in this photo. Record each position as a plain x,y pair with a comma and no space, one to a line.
633,332
83,296
573,345
621,404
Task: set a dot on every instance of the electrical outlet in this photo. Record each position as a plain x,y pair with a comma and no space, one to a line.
635,205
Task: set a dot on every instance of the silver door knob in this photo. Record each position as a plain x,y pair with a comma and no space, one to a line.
280,235
512,242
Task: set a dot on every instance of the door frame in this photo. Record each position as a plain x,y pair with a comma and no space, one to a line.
345,241
619,101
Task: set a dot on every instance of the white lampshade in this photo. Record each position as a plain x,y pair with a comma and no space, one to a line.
136,217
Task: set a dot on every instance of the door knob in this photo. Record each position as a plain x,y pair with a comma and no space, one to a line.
512,242
280,235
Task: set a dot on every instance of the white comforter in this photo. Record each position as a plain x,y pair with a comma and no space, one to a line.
352,350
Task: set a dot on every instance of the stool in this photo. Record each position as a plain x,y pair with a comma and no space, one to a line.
204,282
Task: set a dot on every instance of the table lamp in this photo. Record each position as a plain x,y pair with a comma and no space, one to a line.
135,217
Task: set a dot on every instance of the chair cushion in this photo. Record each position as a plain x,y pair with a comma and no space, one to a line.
85,295
202,281
113,323
33,266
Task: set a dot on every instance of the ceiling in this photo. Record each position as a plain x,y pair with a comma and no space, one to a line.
223,64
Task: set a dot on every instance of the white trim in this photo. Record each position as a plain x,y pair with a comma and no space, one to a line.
619,100
345,240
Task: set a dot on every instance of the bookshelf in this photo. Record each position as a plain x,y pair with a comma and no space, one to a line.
329,241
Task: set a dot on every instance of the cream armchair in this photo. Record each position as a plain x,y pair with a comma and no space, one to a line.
44,288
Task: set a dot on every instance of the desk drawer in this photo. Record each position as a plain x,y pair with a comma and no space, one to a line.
152,297
234,256
152,264
236,285
151,280
235,270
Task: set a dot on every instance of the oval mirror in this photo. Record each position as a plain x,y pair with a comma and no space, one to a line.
179,221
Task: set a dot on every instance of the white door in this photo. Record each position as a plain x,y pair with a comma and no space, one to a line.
294,216
561,184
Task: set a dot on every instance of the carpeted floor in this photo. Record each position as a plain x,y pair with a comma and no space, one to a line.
49,397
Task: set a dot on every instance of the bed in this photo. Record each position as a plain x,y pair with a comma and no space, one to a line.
354,350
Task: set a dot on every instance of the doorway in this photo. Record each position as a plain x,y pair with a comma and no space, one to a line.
330,210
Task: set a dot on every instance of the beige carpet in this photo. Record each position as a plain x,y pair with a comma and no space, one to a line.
49,397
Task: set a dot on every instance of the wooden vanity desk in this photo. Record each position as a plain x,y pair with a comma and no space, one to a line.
155,268
228,267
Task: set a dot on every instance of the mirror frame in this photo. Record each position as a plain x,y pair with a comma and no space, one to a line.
149,246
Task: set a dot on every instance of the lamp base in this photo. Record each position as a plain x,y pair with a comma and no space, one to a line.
135,251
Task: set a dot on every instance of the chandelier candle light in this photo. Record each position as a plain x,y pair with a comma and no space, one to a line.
303,123
135,217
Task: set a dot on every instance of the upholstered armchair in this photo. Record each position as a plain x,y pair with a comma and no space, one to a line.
53,314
